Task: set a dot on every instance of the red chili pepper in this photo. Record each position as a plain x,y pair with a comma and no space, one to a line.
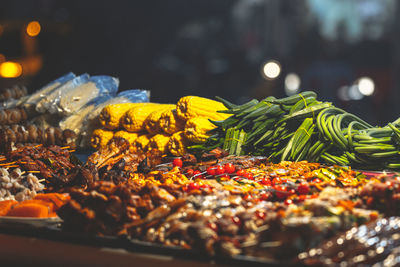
303,188
198,174
220,170
177,162
249,176
240,173
229,168
265,181
194,186
281,191
211,170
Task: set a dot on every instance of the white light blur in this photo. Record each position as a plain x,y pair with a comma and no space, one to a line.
343,93
271,70
354,93
292,84
366,86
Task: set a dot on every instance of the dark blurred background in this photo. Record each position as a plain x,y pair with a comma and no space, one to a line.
347,51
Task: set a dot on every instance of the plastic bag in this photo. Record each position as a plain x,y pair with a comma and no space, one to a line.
75,121
74,99
49,102
34,98
136,95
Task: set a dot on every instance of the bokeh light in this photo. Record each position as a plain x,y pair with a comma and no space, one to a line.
271,70
354,93
33,28
10,69
366,86
292,84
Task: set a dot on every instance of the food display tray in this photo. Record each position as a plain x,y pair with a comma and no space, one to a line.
55,233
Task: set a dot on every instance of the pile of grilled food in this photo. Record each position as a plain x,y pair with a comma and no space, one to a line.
223,205
245,187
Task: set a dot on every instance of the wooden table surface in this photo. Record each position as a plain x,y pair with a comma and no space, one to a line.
32,251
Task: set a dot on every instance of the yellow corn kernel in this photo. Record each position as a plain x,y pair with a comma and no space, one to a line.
177,144
110,116
100,138
131,137
151,122
134,118
194,106
196,129
142,141
159,142
170,123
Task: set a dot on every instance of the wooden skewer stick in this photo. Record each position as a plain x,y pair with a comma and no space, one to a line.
41,180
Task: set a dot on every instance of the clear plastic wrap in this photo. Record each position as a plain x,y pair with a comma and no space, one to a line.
136,95
76,98
51,99
75,121
34,98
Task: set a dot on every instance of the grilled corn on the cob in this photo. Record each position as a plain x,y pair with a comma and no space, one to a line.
177,144
170,123
110,116
151,122
100,138
159,142
131,137
134,118
194,106
196,129
142,141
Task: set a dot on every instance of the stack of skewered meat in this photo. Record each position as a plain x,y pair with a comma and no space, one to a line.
18,185
55,165
13,116
20,134
15,92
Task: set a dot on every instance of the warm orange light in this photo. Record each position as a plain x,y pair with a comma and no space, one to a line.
1,29
10,69
2,58
33,28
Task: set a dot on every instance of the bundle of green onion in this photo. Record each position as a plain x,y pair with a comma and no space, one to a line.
300,127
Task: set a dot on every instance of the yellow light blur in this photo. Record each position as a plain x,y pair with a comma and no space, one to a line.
33,28
10,69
